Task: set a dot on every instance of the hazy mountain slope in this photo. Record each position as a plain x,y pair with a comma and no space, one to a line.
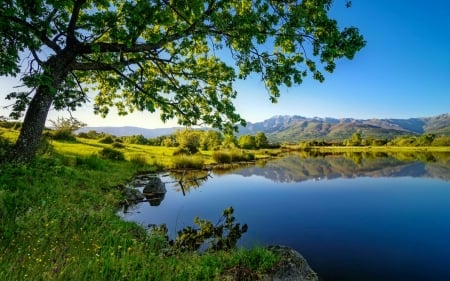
128,131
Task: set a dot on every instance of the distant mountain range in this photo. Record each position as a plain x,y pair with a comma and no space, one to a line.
130,131
296,128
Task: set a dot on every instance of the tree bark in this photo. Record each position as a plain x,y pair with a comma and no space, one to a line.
30,135
33,125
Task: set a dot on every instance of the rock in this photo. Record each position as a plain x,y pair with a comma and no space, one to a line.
291,267
154,191
133,195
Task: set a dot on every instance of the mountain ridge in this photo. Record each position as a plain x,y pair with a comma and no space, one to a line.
297,128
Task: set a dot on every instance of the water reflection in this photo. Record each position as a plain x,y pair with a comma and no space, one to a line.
319,166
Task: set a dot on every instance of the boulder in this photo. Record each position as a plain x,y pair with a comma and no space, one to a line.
133,195
154,191
292,266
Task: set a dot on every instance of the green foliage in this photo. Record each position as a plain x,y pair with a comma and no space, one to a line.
64,128
247,142
355,140
210,140
221,157
116,144
169,141
135,139
187,162
181,151
111,154
91,134
91,162
441,141
423,140
188,140
234,155
229,141
222,236
5,145
261,140
107,140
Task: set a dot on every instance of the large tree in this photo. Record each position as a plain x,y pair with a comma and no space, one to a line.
178,56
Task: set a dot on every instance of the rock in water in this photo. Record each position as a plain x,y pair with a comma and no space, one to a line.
154,191
291,267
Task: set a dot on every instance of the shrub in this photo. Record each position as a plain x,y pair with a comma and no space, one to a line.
112,154
187,162
181,151
221,157
224,157
63,135
237,156
118,145
106,140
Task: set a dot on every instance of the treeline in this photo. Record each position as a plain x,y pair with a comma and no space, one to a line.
358,140
188,139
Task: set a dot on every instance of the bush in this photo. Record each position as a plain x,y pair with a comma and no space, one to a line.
62,135
107,140
187,162
112,154
237,156
118,145
221,157
181,151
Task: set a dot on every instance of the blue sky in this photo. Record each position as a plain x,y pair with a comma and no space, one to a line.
403,72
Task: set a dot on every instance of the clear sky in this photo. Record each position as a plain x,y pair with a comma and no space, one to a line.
403,72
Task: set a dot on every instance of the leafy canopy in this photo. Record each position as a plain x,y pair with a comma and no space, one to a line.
178,56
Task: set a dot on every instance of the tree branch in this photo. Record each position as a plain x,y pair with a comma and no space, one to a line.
38,33
71,39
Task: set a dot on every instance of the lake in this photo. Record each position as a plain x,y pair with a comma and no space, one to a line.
353,216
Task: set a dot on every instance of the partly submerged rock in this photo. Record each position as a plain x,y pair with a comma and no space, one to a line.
133,195
154,191
292,266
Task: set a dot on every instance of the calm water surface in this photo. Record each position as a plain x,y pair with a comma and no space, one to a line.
353,217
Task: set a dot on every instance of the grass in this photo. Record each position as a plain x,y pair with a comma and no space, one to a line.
58,222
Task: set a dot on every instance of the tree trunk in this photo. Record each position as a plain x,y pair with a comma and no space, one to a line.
30,135
56,70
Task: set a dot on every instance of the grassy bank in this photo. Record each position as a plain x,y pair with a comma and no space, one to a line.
58,222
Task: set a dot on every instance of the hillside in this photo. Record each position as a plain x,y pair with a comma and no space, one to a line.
297,128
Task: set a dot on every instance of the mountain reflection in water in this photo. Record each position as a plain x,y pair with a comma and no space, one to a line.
318,166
